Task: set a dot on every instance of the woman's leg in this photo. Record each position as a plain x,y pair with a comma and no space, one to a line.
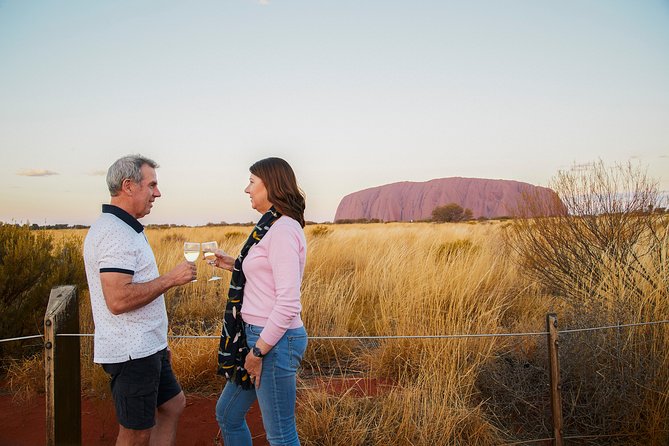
278,385
231,410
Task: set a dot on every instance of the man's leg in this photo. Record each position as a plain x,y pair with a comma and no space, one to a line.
134,386
170,404
167,418
132,437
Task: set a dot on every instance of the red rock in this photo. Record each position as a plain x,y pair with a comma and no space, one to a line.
407,201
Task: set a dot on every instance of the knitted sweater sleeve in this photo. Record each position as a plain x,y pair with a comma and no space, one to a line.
284,251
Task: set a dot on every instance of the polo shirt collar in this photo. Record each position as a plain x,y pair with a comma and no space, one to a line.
124,216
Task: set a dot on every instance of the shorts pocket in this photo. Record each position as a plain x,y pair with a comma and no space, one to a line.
138,407
135,390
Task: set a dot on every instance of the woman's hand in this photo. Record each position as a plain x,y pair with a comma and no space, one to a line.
253,366
223,260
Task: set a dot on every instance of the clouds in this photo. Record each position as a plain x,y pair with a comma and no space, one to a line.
48,173
36,173
416,96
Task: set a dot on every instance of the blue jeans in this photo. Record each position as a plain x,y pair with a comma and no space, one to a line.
276,394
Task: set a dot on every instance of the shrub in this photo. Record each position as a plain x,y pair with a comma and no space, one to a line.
173,238
361,221
606,232
606,258
451,212
234,235
320,231
31,263
446,251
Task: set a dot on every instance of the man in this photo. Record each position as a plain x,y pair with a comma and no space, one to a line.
129,309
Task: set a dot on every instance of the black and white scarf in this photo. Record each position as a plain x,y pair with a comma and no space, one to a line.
233,348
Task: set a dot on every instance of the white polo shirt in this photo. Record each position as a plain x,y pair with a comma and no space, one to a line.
116,243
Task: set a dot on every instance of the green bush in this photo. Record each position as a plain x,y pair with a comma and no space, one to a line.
451,212
31,263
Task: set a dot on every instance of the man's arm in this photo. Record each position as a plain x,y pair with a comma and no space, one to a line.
121,295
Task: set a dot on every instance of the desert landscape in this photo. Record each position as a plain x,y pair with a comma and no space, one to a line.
486,208
371,289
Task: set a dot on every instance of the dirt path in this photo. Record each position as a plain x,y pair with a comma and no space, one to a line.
23,424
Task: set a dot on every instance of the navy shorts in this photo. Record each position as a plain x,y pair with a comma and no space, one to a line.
139,386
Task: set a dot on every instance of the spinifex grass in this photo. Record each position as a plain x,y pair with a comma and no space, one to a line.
399,280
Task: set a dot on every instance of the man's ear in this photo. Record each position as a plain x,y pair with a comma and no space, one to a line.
127,186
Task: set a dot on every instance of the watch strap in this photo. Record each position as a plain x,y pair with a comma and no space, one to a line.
256,352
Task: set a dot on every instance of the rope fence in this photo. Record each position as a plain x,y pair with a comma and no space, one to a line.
22,338
382,337
59,373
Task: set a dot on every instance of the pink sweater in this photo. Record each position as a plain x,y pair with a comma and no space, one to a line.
273,268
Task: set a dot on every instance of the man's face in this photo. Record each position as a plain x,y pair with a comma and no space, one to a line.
145,192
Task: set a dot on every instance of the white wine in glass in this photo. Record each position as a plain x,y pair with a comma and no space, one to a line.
208,249
191,252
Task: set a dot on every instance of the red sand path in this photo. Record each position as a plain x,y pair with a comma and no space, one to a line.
23,424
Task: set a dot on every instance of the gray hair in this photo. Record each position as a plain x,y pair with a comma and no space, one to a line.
126,168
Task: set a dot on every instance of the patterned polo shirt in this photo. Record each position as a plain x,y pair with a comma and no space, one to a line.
116,243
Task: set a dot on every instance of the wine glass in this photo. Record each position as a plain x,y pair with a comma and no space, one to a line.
191,252
208,249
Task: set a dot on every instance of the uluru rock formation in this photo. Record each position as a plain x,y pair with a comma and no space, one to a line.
407,201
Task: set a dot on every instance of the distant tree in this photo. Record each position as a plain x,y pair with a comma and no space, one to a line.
451,212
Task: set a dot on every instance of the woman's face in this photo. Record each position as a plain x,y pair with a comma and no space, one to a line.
258,194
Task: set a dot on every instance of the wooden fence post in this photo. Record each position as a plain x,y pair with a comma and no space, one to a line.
61,365
556,397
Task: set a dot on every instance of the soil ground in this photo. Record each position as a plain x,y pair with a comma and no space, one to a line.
24,423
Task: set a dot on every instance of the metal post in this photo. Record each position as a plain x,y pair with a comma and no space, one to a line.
61,366
554,363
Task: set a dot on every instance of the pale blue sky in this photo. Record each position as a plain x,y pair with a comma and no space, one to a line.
354,94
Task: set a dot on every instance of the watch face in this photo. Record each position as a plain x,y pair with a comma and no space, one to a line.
257,352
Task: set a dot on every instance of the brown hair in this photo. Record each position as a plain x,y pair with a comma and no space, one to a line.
282,189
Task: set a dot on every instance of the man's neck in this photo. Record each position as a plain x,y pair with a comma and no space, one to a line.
120,202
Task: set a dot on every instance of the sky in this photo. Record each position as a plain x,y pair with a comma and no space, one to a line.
352,93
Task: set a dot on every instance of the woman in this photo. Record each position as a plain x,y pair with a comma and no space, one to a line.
265,290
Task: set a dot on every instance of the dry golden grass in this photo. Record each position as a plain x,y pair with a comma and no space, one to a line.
26,377
385,279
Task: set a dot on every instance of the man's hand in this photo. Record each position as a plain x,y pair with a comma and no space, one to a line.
183,273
